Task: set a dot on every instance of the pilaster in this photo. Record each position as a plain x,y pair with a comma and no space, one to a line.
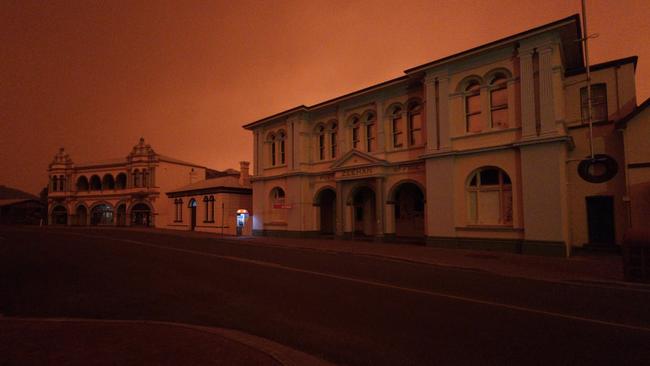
527,93
443,122
430,112
547,113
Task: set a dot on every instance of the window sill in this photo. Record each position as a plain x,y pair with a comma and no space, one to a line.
275,167
476,227
486,132
208,222
407,148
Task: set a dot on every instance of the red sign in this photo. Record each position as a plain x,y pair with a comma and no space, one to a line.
281,205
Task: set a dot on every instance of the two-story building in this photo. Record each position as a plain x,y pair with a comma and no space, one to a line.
487,148
120,192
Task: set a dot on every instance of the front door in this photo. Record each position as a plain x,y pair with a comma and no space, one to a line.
600,219
193,217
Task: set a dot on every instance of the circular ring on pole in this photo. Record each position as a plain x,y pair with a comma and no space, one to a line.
600,169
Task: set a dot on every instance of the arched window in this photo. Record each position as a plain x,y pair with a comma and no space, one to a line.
473,117
334,130
272,143
95,183
371,132
282,138
489,197
321,142
499,102
82,183
61,183
397,126
415,123
278,205
356,132
120,181
55,183
136,178
108,182
145,178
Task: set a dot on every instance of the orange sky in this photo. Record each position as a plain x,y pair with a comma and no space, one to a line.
187,75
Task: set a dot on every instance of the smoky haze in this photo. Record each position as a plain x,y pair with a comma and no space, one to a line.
94,77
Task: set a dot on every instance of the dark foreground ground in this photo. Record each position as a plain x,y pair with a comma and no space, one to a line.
343,308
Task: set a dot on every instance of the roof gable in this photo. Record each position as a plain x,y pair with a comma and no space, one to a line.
357,158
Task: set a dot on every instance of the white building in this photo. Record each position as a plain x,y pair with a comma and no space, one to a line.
481,149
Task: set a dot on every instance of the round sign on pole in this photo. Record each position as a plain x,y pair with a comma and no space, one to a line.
600,169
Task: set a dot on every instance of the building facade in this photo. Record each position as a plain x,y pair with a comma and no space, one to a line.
119,192
221,204
482,149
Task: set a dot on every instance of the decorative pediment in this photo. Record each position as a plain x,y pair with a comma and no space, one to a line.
356,158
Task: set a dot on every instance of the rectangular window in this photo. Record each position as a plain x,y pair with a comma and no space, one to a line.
282,152
415,129
355,137
398,132
333,145
499,107
370,135
598,103
321,147
488,207
273,153
473,113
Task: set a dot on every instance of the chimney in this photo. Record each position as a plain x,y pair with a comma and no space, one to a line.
244,178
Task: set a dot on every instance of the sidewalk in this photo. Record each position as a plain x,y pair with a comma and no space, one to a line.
113,342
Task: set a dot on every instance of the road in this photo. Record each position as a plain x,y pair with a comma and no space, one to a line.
343,308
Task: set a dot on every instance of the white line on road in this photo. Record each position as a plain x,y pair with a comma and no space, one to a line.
378,284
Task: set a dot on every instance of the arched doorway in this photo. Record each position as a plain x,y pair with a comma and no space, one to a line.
327,205
59,215
364,211
101,214
141,215
409,210
192,206
121,214
82,215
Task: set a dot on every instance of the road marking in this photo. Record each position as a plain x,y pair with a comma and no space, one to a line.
379,284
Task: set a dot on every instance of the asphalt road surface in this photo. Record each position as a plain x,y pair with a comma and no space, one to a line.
346,309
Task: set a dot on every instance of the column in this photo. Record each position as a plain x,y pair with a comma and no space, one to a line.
528,129
379,206
430,112
340,206
443,122
547,114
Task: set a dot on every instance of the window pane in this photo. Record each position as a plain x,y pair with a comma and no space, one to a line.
399,140
500,118
473,104
507,206
489,177
599,112
416,121
398,125
488,207
471,207
499,97
475,123
416,137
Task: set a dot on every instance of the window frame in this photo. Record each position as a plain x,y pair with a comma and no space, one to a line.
472,90
499,83
397,113
504,189
415,108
